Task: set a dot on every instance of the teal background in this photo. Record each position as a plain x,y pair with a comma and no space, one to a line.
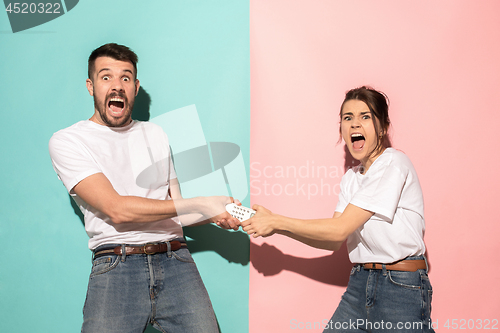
190,52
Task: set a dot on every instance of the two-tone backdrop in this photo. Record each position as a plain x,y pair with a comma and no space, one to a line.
267,76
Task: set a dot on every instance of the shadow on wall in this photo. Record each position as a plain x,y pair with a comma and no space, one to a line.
151,329
232,246
141,106
331,269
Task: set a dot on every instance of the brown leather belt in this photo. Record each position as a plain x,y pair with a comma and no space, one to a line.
403,265
143,249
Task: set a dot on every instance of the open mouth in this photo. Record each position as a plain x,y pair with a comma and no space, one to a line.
358,141
116,105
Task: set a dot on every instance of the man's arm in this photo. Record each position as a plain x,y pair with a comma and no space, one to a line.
195,219
97,191
187,220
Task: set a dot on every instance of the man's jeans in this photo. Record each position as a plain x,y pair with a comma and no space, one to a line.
126,293
384,301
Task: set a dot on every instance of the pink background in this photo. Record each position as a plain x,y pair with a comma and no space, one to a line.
439,63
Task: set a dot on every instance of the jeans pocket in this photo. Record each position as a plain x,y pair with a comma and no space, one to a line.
427,295
183,255
408,280
429,302
104,264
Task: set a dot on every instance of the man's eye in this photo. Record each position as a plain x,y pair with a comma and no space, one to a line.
126,79
105,78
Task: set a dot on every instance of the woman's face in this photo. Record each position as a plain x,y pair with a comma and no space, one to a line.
358,131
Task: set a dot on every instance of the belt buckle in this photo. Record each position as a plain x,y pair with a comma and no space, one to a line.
145,251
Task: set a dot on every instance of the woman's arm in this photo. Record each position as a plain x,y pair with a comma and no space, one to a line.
319,244
327,233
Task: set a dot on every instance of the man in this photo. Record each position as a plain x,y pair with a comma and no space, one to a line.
120,174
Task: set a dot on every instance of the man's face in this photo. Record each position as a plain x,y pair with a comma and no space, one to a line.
114,87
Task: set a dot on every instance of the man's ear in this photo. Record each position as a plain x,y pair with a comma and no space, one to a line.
137,85
90,87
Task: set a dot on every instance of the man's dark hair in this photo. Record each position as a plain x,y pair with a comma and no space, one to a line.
114,51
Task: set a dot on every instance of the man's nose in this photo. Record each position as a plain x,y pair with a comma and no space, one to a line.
117,85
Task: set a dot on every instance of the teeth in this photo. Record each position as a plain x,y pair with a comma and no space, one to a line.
116,99
355,135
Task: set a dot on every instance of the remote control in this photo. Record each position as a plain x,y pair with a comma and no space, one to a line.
240,212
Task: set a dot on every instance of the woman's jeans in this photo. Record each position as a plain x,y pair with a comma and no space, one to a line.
126,293
384,301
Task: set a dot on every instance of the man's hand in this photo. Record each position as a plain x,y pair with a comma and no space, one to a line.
261,224
212,210
215,212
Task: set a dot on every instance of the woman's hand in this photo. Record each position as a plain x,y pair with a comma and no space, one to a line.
261,224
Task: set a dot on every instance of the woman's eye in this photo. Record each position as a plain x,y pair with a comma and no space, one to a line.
346,118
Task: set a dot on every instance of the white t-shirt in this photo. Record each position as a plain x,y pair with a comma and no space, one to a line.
391,190
136,160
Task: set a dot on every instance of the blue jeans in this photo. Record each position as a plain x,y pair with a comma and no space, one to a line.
126,293
384,301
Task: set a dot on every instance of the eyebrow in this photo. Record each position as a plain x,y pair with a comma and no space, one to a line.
107,69
352,114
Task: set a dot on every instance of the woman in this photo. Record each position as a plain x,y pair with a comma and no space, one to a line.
381,214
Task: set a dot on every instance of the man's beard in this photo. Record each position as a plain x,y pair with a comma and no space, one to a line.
111,121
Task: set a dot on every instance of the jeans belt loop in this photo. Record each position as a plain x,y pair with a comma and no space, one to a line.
169,249
384,270
124,253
